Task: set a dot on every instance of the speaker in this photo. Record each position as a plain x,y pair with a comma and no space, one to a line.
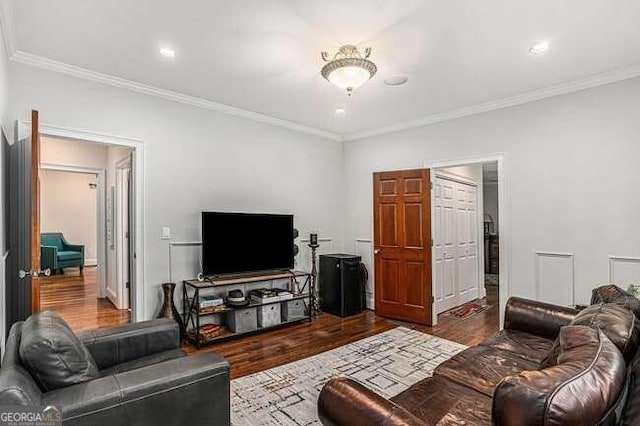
340,284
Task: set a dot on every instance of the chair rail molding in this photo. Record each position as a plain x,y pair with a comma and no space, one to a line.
627,268
554,277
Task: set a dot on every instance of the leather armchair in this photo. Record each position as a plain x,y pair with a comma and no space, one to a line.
145,379
56,253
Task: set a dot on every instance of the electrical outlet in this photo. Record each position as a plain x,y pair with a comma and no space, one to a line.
166,233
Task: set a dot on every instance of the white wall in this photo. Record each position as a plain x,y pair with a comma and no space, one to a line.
69,205
573,176
67,152
196,160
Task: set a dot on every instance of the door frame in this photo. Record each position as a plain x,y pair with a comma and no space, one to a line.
138,308
442,174
122,165
504,213
101,219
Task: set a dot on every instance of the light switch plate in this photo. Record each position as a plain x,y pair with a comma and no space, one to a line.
166,233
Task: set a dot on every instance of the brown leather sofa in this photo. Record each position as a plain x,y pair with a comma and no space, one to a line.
550,365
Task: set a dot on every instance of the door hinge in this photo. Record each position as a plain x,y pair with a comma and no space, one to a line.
433,299
432,242
431,185
127,284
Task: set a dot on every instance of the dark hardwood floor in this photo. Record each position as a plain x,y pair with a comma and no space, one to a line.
75,298
270,349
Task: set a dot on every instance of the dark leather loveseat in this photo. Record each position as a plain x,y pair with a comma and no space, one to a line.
129,375
550,365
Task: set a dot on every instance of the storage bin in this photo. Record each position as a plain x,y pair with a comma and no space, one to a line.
293,310
268,315
242,320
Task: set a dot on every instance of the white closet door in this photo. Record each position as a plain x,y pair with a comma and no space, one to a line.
455,243
467,242
444,245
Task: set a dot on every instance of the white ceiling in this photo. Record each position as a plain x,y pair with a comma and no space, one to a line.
264,56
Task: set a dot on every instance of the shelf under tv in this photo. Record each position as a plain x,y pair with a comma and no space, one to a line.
191,297
244,279
230,335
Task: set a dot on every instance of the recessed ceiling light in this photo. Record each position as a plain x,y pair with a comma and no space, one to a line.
168,52
396,80
341,112
539,47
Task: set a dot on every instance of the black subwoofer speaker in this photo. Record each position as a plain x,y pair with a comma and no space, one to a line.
341,284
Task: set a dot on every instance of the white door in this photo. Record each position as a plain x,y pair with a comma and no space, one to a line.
455,243
467,242
444,245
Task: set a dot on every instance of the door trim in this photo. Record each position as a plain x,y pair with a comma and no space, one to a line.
504,201
138,310
121,167
101,219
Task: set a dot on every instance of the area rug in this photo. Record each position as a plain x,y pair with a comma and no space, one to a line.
386,363
467,310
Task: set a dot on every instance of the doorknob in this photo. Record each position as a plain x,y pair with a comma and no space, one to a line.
376,251
34,274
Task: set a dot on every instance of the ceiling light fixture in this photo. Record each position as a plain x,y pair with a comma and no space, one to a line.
540,47
167,52
349,69
341,112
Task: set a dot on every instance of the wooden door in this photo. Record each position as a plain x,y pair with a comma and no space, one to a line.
22,197
402,245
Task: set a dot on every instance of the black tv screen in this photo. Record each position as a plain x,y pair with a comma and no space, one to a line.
235,243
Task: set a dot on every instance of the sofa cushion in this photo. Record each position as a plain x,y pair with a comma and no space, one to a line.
616,321
526,345
631,414
611,293
52,354
586,384
483,367
143,362
69,255
438,400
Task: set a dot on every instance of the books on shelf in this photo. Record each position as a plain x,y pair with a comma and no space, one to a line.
208,331
213,309
210,301
265,295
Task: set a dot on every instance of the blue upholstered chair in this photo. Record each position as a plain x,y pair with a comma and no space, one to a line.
56,253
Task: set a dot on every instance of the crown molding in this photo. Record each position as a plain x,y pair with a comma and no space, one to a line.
6,27
86,74
523,98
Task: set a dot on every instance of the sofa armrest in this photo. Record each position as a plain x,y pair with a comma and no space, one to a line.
48,257
193,387
539,318
115,345
343,401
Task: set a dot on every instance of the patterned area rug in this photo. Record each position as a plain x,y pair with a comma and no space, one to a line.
386,363
467,310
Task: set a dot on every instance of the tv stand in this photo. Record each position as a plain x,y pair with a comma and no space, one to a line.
192,313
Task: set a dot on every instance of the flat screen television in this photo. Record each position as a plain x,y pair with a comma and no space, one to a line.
239,243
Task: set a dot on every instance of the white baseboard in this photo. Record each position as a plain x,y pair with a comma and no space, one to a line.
91,262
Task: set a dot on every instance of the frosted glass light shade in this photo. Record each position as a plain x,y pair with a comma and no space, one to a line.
350,77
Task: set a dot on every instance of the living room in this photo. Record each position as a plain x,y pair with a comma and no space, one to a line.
227,110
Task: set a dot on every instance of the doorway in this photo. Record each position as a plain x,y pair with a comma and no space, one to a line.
73,214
